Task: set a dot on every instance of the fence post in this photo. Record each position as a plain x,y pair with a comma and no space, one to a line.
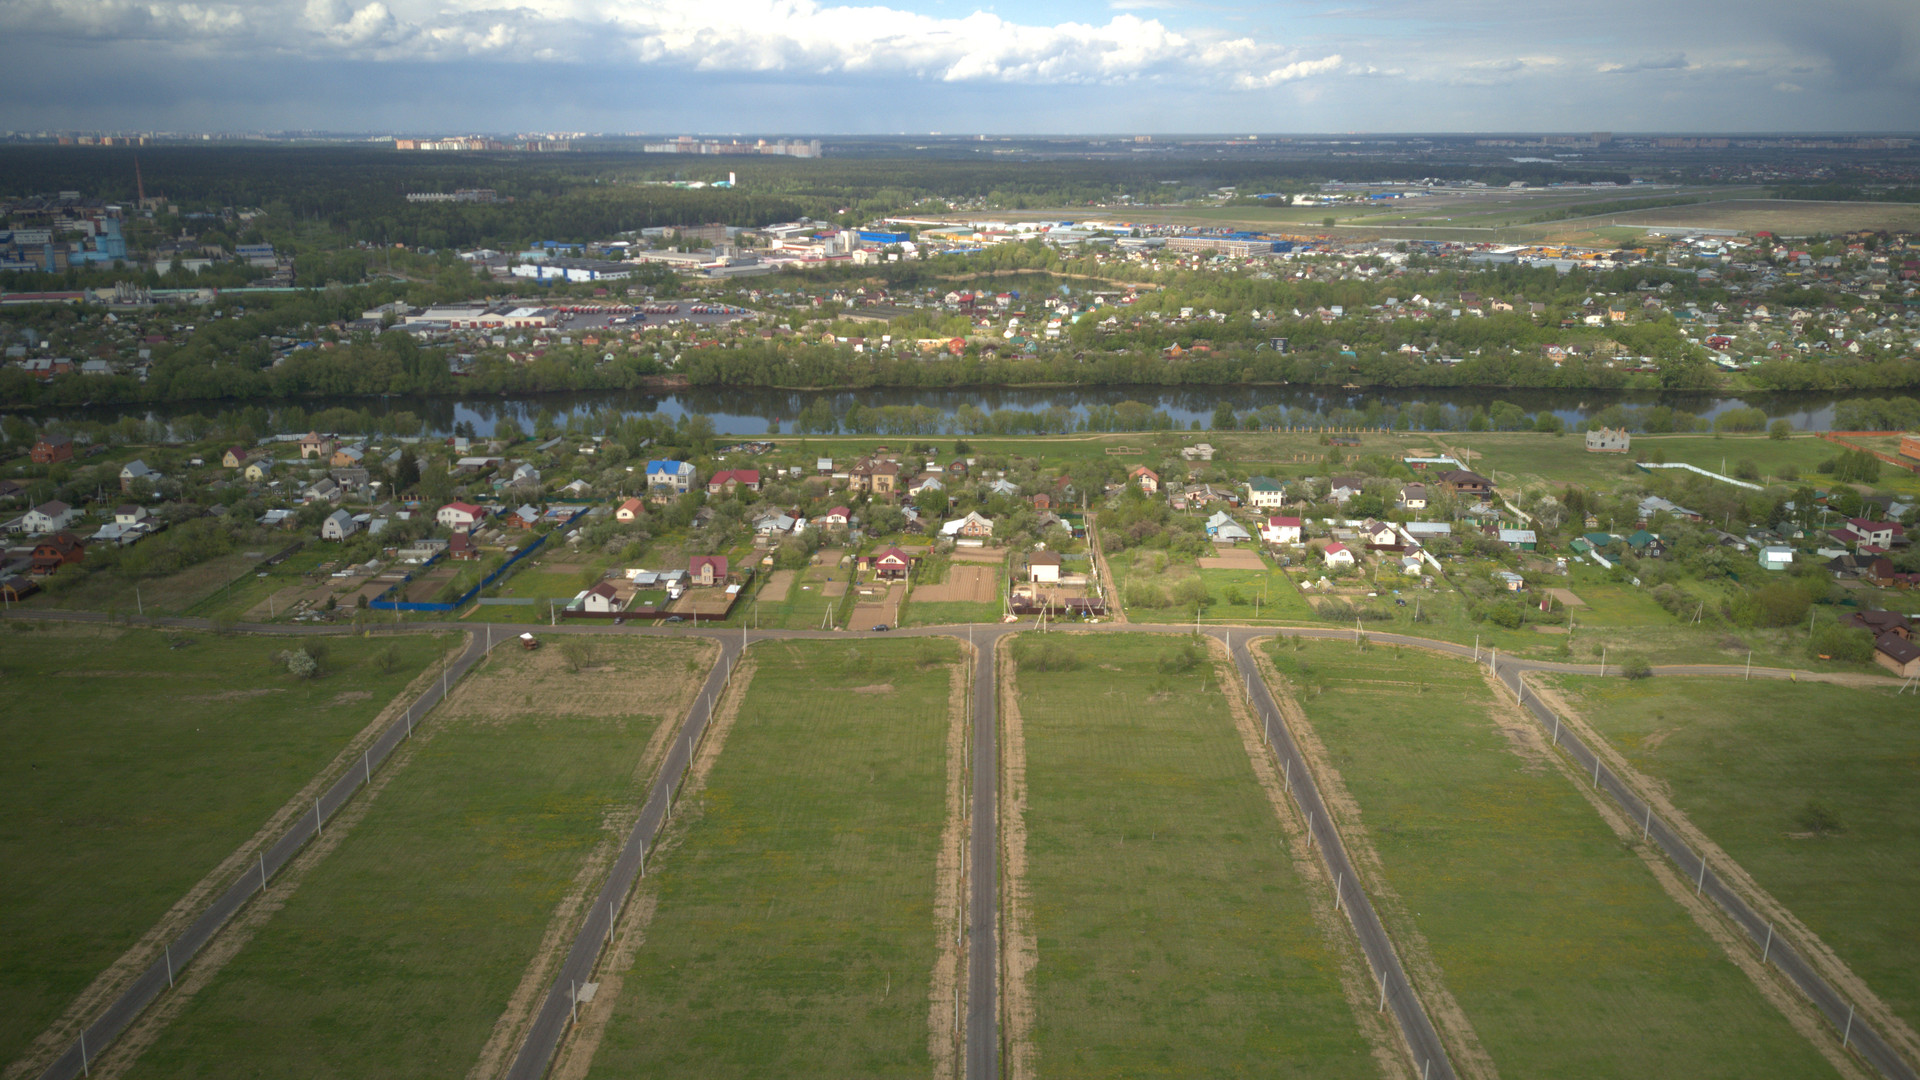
263,871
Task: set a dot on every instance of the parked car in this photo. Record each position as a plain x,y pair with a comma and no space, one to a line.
881,628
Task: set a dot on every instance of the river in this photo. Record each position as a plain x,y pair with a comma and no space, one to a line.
747,411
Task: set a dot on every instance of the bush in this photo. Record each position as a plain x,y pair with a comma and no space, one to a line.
1777,603
1636,667
1845,643
1141,594
300,664
1048,656
387,659
578,652
1183,659
1780,429
1817,819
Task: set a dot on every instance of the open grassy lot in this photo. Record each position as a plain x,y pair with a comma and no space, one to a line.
813,591
1750,762
133,768
1174,937
1562,949
396,954
794,933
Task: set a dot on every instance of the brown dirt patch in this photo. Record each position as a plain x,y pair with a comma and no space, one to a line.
1566,598
1355,981
577,1049
979,584
1232,559
1523,736
779,583
622,676
242,695
876,688
1656,794
113,981
1019,951
836,587
945,1031
1470,1058
980,555
882,608
504,1041
347,697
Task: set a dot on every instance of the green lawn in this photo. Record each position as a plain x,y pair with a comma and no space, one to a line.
948,612
1564,952
133,768
1174,938
1743,761
794,934
1234,593
397,954
806,602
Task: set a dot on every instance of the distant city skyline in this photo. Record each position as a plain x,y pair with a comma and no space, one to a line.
920,66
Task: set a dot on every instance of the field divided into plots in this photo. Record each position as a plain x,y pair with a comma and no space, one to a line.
793,930
1172,934
395,948
136,762
1504,883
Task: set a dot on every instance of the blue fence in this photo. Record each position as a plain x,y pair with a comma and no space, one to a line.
384,604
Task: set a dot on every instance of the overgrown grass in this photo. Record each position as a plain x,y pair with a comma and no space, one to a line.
1809,786
1565,953
397,955
1174,937
947,612
133,767
794,934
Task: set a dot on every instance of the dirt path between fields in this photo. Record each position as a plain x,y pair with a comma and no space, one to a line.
1355,980
1020,953
1470,1058
1656,793
114,980
578,1047
1798,1011
945,1032
496,1057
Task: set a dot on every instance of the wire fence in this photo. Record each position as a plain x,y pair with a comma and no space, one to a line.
79,1057
1396,991
1856,1034
560,1010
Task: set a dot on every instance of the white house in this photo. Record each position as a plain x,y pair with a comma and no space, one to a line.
1412,497
974,524
458,515
1337,554
1265,493
1282,530
1776,557
1043,566
135,470
338,526
601,598
49,517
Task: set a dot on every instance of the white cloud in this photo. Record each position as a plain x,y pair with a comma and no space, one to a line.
802,37
1299,69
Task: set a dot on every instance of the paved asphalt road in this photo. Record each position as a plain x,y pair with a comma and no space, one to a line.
983,1048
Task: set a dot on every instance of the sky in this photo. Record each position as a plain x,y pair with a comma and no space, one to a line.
956,66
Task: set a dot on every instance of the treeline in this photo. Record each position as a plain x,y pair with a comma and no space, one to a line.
1849,191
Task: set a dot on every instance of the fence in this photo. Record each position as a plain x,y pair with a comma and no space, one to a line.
78,1059
1395,989
1845,438
560,1009
384,604
1856,1034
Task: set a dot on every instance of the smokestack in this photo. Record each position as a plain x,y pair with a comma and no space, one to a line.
729,179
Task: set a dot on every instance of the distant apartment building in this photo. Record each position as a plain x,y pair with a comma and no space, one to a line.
1221,245
687,144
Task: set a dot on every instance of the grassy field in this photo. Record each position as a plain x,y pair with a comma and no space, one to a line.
1174,936
1565,954
133,768
1744,761
806,602
398,952
794,933
948,612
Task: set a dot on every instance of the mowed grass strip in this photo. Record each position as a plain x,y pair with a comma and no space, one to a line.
396,955
133,768
1812,788
1565,953
1174,937
794,933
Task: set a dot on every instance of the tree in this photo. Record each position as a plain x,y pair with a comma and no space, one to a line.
1223,418
508,430
1780,429
1636,667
